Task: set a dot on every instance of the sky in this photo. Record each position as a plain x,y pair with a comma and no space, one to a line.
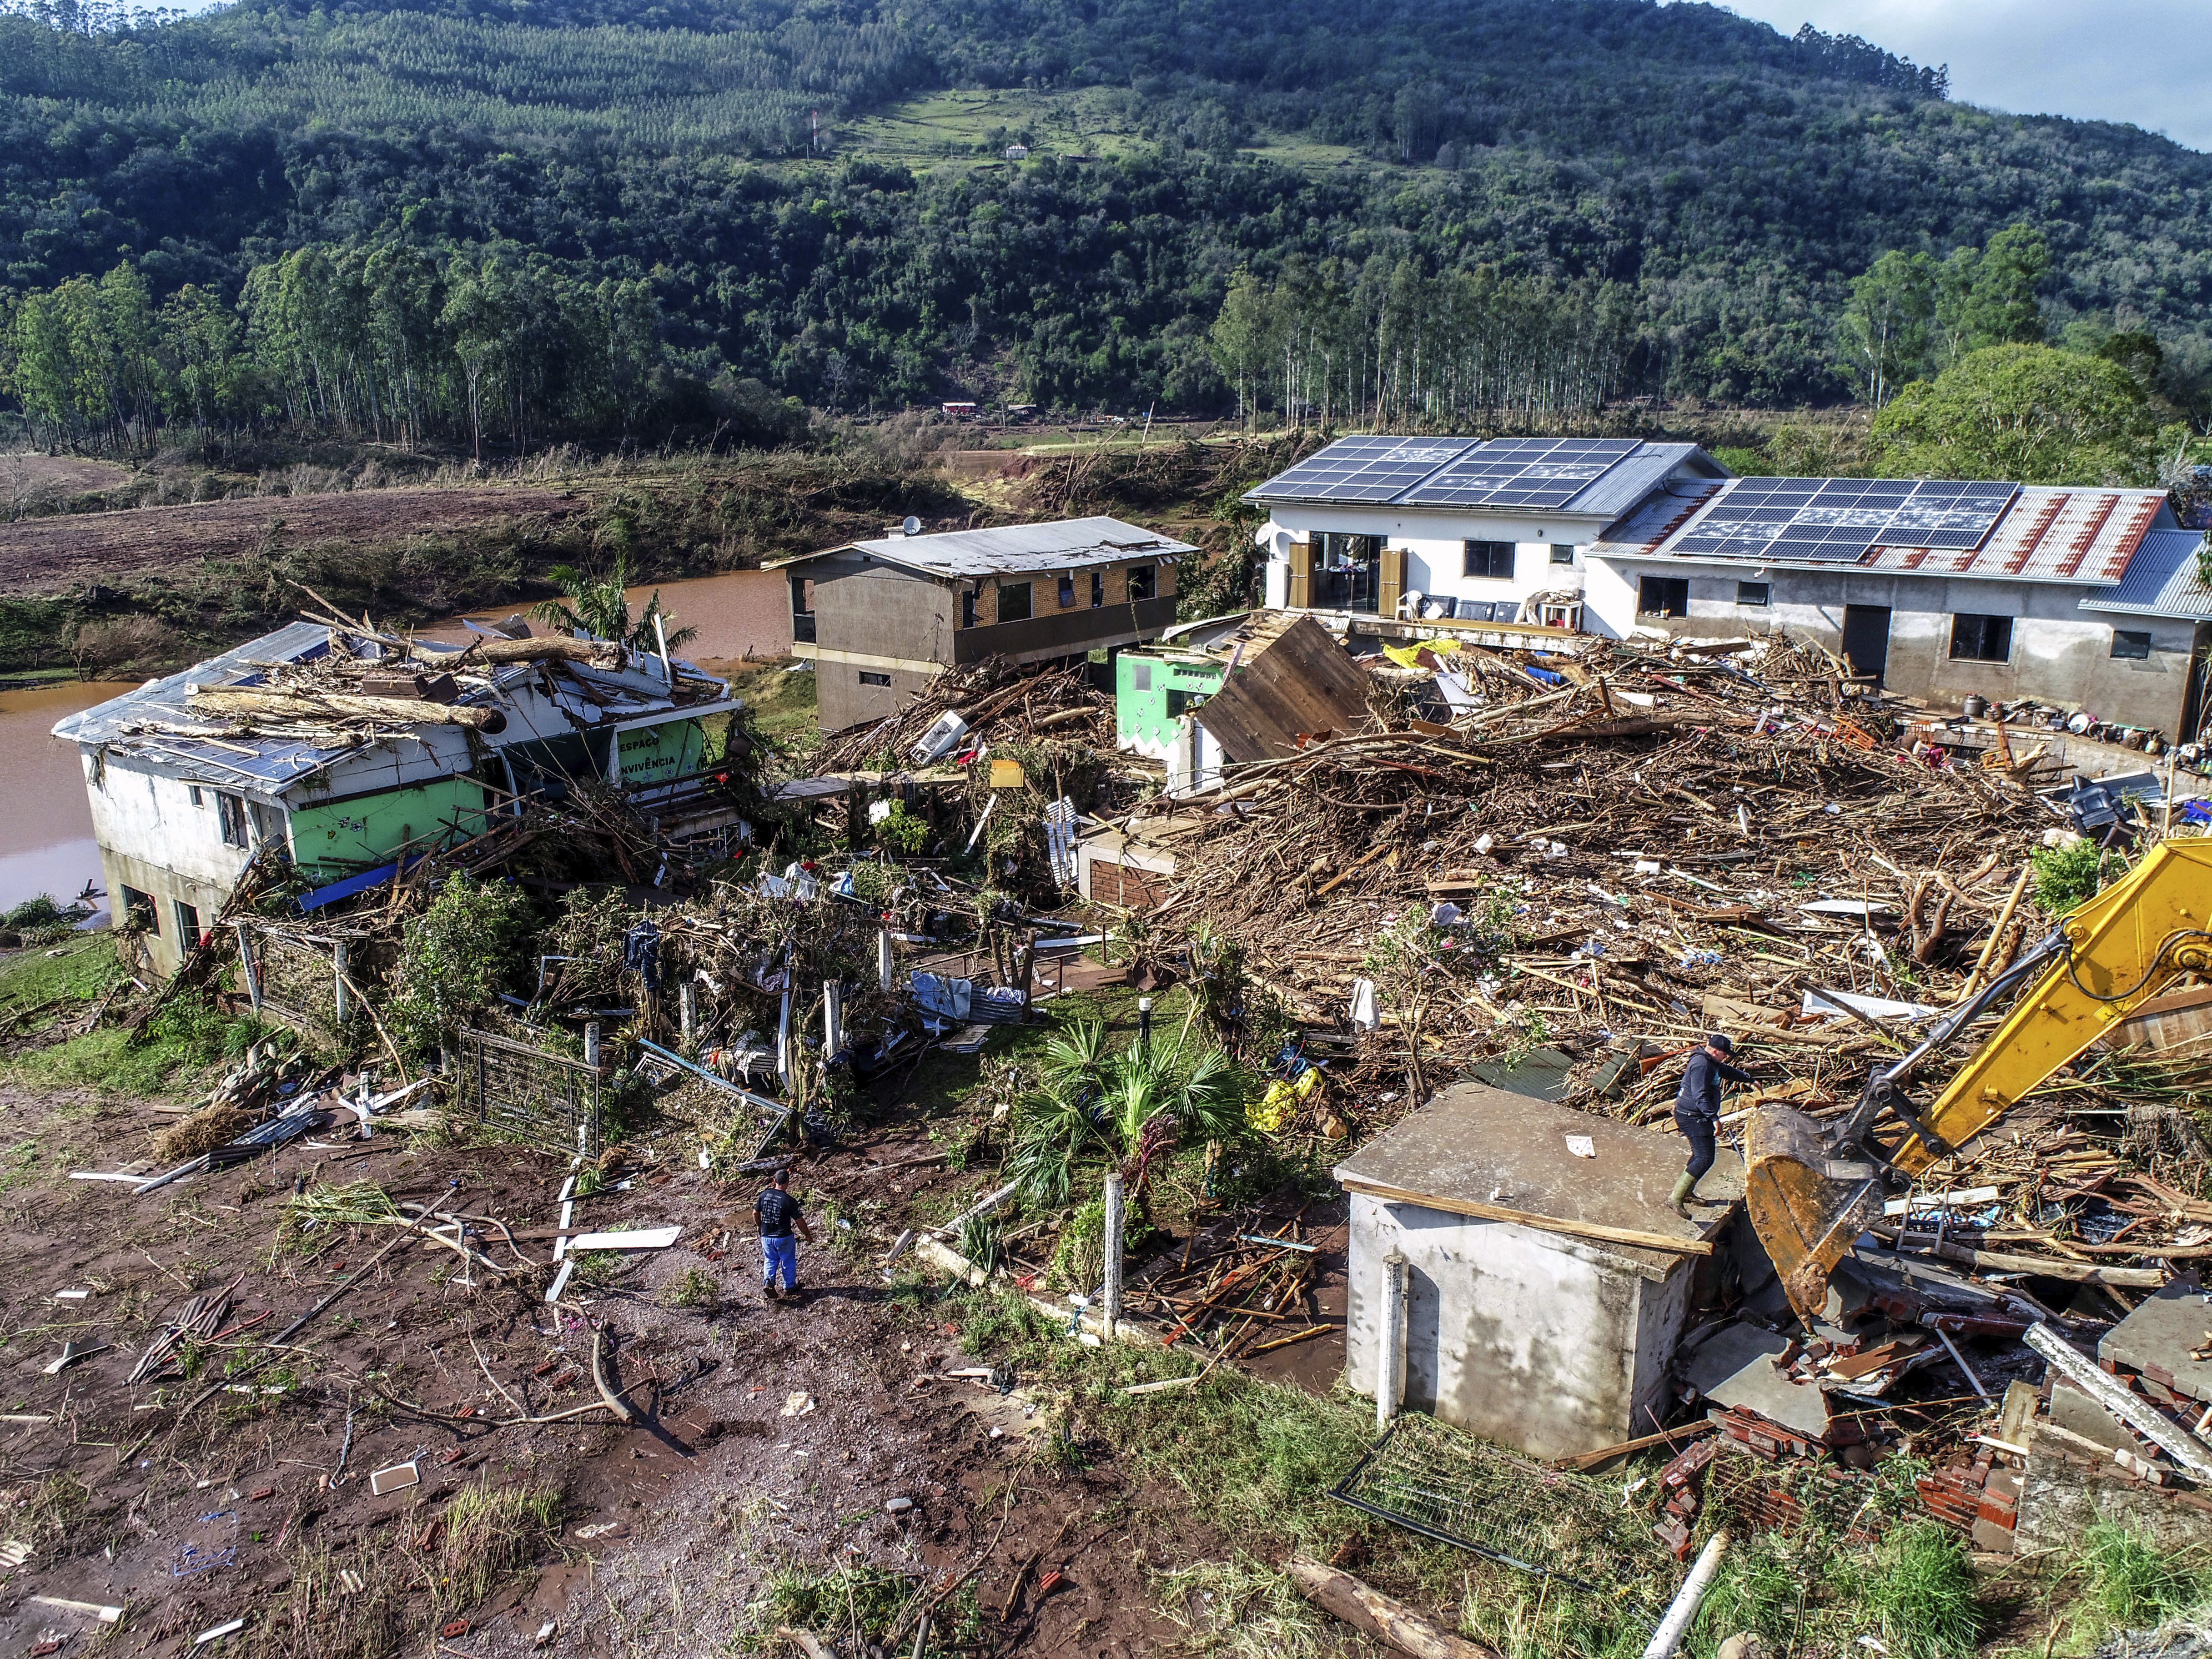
2145,61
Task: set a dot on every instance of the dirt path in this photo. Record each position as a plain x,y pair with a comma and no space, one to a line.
190,1515
50,555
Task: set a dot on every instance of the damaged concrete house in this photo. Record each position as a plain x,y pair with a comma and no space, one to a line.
349,763
2086,596
880,619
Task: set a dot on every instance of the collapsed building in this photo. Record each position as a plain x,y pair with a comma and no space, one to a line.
352,756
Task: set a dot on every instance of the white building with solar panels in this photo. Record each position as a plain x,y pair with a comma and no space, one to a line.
1457,528
2087,597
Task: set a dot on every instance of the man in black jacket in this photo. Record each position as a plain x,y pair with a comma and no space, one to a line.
778,1212
1698,1111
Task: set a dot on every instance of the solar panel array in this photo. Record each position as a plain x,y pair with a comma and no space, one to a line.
1831,520
1523,472
1377,469
1508,472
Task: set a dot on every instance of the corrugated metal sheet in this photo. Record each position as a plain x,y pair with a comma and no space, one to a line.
1064,545
2165,578
1626,482
2049,534
1657,516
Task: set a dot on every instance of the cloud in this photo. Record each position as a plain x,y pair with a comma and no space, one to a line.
2143,60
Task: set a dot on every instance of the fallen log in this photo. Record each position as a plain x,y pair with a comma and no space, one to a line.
1366,1608
324,706
593,653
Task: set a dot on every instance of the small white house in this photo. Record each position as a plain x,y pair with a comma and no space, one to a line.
1457,529
1529,1317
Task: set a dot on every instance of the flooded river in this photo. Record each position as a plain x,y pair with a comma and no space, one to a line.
746,613
46,827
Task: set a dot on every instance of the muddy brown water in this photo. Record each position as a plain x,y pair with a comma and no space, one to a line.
744,613
45,825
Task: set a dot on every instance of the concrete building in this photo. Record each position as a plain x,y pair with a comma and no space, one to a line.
182,803
1455,529
1155,693
1531,1318
2090,599
880,619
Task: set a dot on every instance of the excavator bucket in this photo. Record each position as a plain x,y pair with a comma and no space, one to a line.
1808,1207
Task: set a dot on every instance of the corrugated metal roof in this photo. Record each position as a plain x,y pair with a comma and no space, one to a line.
2165,578
1617,490
1653,519
1012,550
2048,534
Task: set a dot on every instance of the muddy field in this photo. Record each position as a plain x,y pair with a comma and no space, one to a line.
770,1438
50,555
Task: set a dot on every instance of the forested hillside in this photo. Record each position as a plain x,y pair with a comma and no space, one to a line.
547,216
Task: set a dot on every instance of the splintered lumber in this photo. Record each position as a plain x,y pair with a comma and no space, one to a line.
1299,683
2130,1408
1366,1608
327,705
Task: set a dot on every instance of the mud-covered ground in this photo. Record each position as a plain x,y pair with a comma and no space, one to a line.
770,1439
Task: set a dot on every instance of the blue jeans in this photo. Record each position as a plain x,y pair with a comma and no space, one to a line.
780,1252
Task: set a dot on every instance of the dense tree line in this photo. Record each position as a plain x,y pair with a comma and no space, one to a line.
1568,197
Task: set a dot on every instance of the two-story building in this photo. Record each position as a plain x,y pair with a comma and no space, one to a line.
880,619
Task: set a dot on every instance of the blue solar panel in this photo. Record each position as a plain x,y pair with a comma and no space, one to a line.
1368,468
1832,520
1523,472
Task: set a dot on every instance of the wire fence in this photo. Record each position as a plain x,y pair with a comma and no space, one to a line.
1434,1480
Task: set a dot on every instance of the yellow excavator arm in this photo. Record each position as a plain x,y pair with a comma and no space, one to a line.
1811,1194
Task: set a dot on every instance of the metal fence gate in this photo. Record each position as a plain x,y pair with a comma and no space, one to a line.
516,1092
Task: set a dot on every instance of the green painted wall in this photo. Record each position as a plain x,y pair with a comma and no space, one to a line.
656,754
335,838
1152,694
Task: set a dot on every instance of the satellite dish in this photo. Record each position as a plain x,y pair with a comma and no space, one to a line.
912,527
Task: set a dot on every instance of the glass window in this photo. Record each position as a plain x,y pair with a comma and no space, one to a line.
140,911
1563,553
1097,589
868,677
1981,639
967,608
1068,593
1140,676
197,798
1013,602
188,923
1757,593
1140,582
1492,561
1662,596
2129,642
230,809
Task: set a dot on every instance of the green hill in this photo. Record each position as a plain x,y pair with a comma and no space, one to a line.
814,194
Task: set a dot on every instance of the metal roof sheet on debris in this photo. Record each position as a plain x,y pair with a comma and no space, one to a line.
2045,533
1012,549
1579,475
2165,578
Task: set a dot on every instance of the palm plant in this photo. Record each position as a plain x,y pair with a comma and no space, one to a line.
599,606
1134,1107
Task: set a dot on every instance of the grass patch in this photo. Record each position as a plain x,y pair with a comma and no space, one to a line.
85,971
1242,1609
782,703
852,1605
2132,1583
185,1039
697,1288
1917,1593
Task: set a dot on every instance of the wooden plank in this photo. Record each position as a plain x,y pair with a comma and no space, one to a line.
1299,683
1590,1230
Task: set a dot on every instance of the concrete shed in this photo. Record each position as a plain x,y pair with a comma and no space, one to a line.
1533,1319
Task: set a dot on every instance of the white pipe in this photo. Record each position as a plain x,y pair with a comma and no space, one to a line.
1684,1608
1111,1313
1390,1352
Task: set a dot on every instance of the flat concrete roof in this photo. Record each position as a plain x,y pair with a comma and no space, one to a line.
1476,1145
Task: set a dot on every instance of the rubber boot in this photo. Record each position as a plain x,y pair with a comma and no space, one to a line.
1683,1185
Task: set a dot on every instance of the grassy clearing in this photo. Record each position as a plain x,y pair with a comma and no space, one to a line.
183,1041
84,970
971,129
781,702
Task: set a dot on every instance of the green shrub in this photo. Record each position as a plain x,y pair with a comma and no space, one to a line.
456,957
2068,876
904,834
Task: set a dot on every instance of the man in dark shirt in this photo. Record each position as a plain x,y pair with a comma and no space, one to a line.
778,1212
1698,1111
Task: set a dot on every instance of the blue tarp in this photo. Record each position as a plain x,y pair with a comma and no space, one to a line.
352,885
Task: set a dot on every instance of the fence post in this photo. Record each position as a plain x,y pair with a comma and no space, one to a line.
885,967
833,1017
246,962
687,1008
591,1045
1144,1025
1390,1342
339,996
783,1056
1111,1314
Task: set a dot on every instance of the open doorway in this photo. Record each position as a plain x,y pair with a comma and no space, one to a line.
1866,639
